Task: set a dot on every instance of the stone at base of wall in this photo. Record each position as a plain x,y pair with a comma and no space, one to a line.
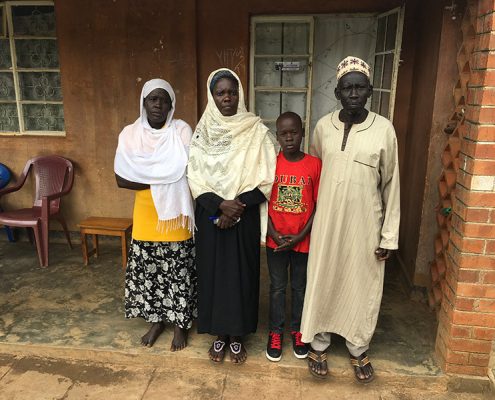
469,384
491,376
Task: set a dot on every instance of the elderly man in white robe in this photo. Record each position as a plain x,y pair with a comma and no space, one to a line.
356,227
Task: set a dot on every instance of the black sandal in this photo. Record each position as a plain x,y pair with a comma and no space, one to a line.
218,347
359,363
318,359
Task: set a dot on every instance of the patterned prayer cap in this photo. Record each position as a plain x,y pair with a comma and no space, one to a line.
352,64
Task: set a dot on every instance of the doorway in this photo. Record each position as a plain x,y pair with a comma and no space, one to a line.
293,62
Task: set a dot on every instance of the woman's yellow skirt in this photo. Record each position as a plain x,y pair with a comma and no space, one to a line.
146,221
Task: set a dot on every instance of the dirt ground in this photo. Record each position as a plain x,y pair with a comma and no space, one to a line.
63,336
27,378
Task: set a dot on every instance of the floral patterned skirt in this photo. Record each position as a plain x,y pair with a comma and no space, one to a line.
160,282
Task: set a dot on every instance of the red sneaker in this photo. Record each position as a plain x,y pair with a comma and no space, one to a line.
300,348
274,346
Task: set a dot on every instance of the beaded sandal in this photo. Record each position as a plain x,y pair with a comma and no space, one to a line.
217,348
236,348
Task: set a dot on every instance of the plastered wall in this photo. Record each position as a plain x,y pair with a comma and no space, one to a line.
108,49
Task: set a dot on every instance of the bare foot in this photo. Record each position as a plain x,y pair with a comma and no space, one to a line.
150,337
238,353
179,341
217,349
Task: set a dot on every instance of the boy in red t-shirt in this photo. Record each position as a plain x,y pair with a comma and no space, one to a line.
291,209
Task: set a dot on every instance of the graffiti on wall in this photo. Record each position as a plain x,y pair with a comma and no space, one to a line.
233,58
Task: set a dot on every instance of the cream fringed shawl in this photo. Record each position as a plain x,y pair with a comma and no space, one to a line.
158,157
231,155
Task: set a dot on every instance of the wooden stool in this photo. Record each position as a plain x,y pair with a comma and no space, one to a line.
104,226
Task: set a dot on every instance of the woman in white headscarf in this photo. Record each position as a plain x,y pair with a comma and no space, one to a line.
231,171
151,159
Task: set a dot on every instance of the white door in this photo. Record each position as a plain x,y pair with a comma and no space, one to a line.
293,62
336,37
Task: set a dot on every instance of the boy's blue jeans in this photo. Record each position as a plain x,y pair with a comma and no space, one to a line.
278,267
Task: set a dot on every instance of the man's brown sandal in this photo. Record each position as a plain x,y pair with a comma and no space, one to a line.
359,363
318,360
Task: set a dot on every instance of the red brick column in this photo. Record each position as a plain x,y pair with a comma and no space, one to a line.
466,329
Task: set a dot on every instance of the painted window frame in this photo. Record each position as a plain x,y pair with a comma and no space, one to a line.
8,33
309,57
395,52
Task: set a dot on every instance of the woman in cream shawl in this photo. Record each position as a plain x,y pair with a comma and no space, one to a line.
151,159
231,171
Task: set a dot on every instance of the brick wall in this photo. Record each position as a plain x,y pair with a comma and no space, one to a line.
467,316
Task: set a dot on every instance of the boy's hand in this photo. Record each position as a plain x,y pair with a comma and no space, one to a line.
288,242
277,238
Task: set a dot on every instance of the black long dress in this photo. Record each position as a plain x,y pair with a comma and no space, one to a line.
228,267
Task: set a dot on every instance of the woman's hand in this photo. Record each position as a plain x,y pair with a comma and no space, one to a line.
232,208
225,222
125,184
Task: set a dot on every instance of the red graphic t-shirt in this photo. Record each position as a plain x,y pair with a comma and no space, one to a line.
293,197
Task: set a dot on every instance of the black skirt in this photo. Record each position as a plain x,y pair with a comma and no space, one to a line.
228,264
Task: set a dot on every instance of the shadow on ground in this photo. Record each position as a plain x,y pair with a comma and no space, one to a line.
69,310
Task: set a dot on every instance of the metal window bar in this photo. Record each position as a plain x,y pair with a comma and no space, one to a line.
3,31
281,55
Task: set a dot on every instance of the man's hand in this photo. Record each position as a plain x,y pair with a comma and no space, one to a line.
382,254
232,208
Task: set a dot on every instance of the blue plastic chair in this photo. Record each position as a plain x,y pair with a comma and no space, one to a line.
5,177
8,230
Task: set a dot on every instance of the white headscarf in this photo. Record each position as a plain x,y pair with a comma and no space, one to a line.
158,157
231,155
